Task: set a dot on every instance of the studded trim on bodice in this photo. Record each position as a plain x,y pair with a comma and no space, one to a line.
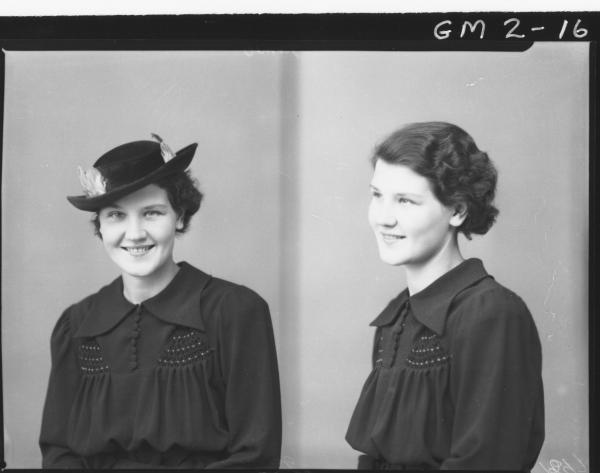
91,360
185,347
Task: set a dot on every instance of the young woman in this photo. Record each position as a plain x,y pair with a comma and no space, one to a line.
456,380
166,366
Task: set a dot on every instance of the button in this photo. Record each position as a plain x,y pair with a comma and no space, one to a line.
133,349
132,365
135,335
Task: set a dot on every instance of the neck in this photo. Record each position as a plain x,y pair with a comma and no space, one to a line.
137,289
421,275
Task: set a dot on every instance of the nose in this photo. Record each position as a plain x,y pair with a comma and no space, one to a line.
135,230
382,215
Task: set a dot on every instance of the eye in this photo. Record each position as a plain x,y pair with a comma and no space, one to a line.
153,213
404,200
114,215
375,194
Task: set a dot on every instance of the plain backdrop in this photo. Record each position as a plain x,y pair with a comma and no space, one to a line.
284,141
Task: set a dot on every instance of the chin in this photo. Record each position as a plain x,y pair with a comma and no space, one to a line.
392,259
140,274
393,262
137,269
137,272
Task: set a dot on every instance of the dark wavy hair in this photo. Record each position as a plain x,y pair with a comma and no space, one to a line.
459,173
183,194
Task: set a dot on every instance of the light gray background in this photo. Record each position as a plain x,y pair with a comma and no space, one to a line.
284,141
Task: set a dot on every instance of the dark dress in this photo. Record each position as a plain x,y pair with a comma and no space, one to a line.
456,380
186,379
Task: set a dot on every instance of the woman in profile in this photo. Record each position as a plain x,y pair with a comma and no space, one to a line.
166,366
456,380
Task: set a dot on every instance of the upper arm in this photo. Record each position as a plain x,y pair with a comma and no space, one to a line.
62,384
495,381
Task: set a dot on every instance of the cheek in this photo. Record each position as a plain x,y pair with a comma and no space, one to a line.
104,230
436,228
109,234
426,225
165,232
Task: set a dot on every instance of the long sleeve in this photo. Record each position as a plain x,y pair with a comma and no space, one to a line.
496,385
63,382
249,369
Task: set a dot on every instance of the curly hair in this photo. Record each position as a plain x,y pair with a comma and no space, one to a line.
183,194
459,173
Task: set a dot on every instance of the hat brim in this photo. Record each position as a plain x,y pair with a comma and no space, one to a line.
180,162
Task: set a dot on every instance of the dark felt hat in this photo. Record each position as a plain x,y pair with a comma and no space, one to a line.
128,168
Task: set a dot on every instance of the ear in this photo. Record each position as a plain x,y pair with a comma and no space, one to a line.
459,215
97,225
179,223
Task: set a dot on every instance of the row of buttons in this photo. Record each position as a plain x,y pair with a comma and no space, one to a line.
135,334
395,333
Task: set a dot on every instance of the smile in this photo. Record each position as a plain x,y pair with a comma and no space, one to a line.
391,238
137,250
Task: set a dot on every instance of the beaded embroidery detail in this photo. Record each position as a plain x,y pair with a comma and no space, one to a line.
184,348
379,343
426,353
395,333
91,360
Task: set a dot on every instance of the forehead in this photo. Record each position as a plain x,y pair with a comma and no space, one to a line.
398,178
146,196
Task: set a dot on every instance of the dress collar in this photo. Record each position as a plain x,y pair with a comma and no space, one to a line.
178,303
430,306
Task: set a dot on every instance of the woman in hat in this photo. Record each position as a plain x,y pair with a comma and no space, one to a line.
456,379
166,366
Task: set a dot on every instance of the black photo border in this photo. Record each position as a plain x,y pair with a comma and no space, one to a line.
473,31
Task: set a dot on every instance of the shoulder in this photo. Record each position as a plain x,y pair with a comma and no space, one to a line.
490,320
214,290
228,305
223,304
488,304
230,294
488,293
75,314
68,323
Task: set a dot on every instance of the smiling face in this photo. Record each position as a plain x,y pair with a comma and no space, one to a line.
138,232
411,225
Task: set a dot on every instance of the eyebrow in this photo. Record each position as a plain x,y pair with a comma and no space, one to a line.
145,207
397,194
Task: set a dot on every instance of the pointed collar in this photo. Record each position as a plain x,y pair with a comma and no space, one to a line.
178,303
430,306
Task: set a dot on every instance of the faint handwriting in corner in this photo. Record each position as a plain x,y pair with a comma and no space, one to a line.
573,465
287,462
475,82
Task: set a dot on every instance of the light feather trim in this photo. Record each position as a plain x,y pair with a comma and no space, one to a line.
92,182
165,150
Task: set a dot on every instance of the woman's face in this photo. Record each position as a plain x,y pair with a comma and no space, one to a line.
411,225
138,231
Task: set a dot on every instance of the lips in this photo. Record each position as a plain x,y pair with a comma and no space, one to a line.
137,250
391,238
